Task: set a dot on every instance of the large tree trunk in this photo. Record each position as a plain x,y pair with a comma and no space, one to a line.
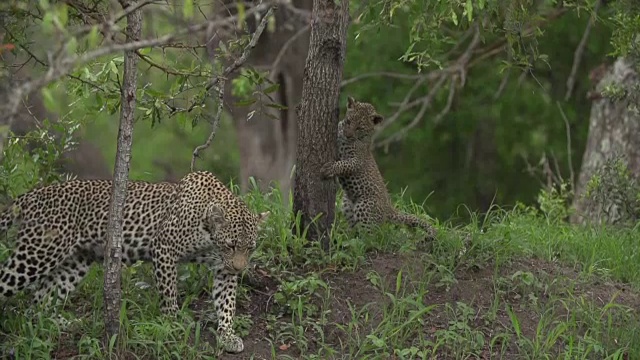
318,114
113,250
614,131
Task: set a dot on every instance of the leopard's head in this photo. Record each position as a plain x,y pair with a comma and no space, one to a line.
360,121
235,233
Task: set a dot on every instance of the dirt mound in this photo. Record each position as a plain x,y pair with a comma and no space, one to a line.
527,287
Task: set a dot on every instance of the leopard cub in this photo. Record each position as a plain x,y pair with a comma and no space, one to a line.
365,200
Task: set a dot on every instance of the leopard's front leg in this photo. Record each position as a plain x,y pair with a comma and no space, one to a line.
224,300
166,274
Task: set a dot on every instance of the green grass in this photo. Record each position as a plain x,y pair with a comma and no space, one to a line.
516,284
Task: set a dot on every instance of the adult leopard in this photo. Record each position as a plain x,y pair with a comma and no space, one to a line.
62,229
365,200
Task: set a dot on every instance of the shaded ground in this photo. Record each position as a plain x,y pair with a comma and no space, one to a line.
527,287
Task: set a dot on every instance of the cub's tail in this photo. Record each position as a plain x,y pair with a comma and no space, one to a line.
413,221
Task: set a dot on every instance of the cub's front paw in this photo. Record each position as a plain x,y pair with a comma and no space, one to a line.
232,343
326,171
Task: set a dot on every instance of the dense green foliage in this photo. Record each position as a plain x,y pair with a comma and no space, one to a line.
508,116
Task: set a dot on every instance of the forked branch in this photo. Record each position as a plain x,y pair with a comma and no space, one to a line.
219,82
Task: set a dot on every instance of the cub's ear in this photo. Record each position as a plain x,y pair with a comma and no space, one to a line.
214,218
377,119
262,217
350,102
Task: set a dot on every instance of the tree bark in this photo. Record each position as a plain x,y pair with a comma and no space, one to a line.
113,251
614,129
318,114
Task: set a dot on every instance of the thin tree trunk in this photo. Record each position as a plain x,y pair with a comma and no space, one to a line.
113,251
318,114
614,131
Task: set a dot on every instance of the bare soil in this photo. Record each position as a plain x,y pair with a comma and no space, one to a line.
475,288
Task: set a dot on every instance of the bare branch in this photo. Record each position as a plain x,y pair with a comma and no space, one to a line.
275,67
385,74
162,68
577,56
214,125
567,127
110,25
426,102
503,85
404,106
504,81
247,50
133,7
457,69
447,106
41,62
219,82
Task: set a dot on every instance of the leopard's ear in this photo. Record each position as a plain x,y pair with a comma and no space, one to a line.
377,119
350,102
214,218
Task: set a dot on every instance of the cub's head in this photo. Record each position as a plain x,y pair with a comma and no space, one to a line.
360,121
235,233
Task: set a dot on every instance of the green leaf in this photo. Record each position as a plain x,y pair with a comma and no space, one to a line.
276,106
187,9
241,15
47,23
92,38
454,18
271,88
222,47
49,101
245,102
72,46
63,15
469,10
113,67
271,24
154,93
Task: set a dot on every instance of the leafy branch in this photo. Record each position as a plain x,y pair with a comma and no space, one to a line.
219,83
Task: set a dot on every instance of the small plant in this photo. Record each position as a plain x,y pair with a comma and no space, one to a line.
613,193
555,202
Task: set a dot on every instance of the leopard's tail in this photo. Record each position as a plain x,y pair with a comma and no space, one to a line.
413,221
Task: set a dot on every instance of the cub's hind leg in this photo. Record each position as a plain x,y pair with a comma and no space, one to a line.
347,210
366,217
